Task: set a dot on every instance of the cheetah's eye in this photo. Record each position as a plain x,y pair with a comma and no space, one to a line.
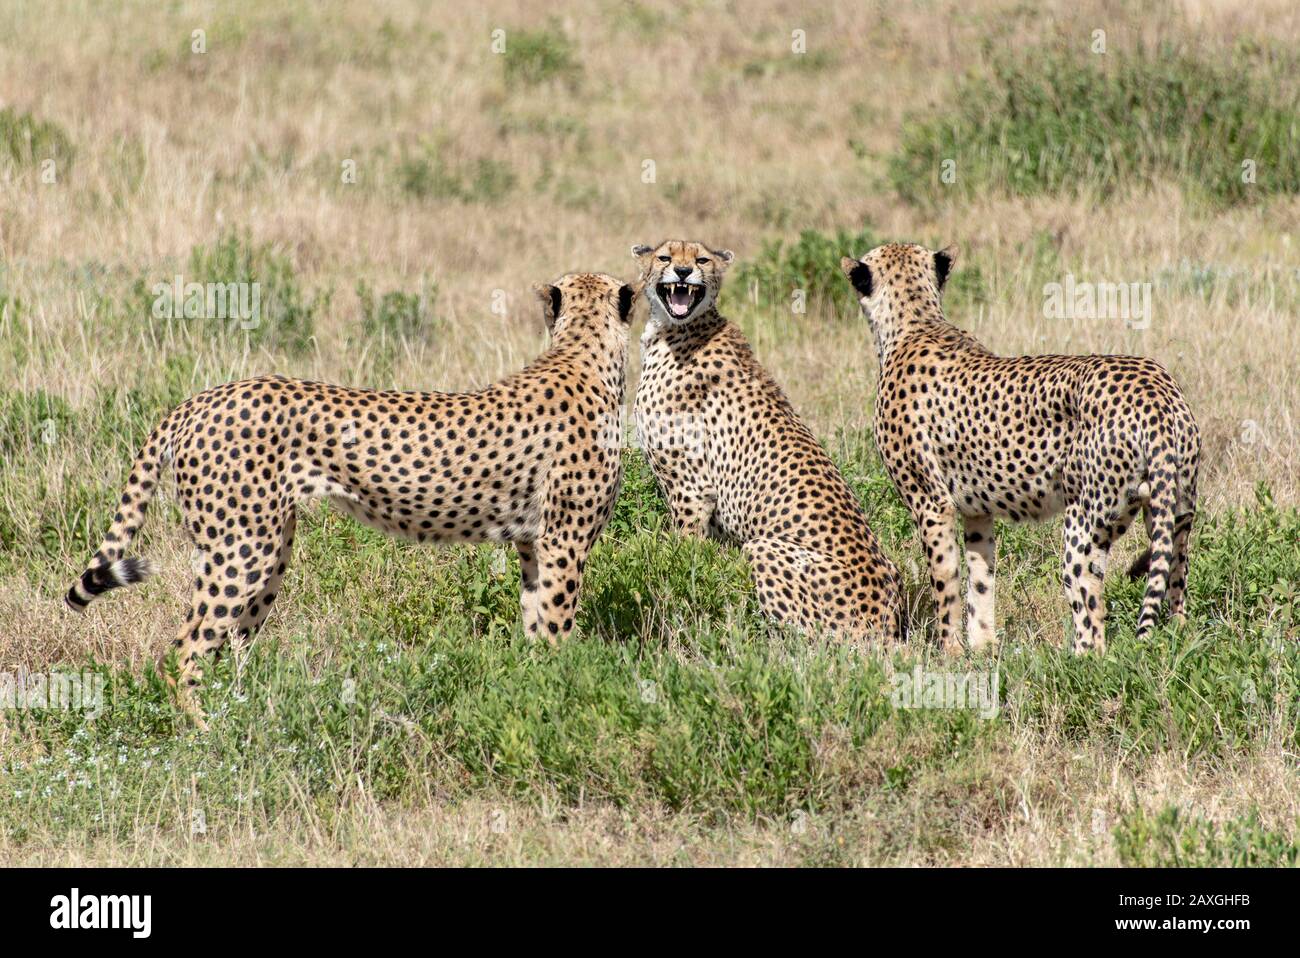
702,260
665,259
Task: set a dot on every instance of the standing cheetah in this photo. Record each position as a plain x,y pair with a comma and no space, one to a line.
965,432
533,460
734,460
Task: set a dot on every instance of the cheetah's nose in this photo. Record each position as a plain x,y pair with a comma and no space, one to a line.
683,271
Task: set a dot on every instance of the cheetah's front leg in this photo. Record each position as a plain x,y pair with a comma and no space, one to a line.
550,580
781,571
690,497
529,586
691,511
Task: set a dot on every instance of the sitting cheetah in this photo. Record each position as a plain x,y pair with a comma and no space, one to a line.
734,460
533,460
965,432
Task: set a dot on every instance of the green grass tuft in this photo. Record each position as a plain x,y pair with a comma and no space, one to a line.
1172,838
534,57
427,174
27,142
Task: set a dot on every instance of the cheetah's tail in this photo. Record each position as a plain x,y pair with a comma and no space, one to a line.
1160,555
109,568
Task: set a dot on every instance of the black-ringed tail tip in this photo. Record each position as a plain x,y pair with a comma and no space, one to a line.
97,580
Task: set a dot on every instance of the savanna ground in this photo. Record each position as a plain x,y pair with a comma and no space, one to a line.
394,185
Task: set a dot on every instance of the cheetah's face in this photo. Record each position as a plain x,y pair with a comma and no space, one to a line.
680,278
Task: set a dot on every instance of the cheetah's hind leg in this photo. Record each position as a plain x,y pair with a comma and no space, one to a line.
1177,595
981,549
233,588
1141,567
1087,542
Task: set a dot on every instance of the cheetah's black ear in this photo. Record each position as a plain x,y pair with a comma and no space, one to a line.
943,261
642,250
725,255
626,297
550,297
859,275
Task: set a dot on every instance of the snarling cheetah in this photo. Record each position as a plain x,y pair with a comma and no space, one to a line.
533,460
736,463
966,433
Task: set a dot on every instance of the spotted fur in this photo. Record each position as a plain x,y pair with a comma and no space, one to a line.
966,433
735,462
532,460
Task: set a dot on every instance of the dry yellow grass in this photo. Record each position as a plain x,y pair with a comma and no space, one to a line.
175,147
1038,808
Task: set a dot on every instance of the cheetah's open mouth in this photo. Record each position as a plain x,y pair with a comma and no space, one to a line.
680,298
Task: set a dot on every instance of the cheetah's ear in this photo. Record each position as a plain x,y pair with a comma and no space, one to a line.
943,261
626,297
642,253
550,297
859,275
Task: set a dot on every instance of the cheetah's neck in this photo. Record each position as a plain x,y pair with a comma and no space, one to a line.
909,317
660,328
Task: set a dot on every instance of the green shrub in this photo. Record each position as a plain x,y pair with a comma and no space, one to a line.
1051,122
640,507
397,314
1243,567
810,264
489,181
69,517
966,289
675,693
1214,686
424,176
427,174
533,57
762,68
286,314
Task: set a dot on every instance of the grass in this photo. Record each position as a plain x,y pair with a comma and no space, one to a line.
1052,121
1173,839
427,174
282,315
676,699
395,187
27,141
808,266
536,57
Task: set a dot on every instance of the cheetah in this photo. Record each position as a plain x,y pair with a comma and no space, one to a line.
533,460
735,462
964,432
